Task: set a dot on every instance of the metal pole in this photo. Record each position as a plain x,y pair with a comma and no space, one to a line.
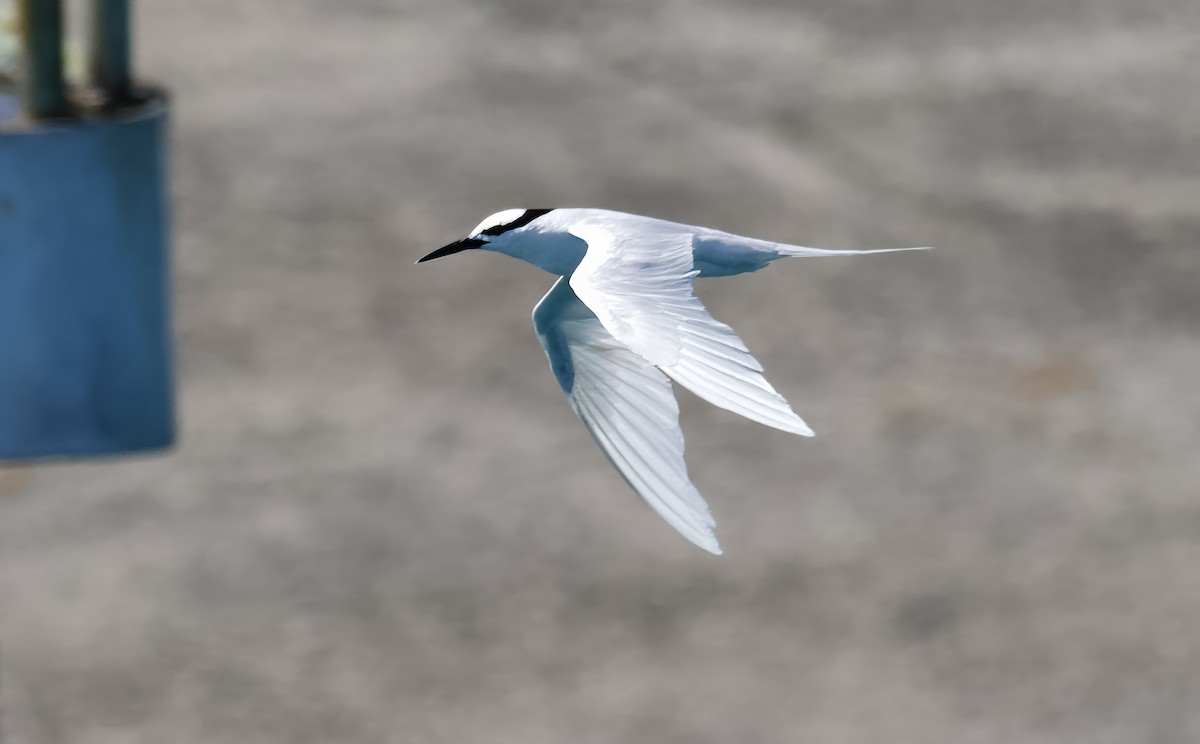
109,56
41,26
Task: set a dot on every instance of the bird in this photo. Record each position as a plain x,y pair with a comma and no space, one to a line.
623,320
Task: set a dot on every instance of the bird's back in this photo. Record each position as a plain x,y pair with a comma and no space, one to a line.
715,253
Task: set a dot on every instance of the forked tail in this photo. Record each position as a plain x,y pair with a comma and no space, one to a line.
799,250
721,254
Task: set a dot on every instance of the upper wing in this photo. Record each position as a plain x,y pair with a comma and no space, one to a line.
627,406
641,289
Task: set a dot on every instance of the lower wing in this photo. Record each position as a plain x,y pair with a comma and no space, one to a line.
628,407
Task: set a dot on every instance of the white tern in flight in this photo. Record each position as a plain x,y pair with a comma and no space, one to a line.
623,317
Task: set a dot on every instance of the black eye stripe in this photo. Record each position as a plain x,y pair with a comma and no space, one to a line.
529,216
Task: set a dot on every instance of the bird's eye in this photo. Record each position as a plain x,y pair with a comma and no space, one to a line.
496,230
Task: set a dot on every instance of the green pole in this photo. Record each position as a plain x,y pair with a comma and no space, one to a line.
44,94
109,55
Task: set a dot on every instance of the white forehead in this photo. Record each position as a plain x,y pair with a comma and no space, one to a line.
497,219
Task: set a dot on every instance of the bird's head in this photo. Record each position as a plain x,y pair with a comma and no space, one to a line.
496,233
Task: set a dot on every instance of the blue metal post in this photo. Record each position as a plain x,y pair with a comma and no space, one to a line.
85,353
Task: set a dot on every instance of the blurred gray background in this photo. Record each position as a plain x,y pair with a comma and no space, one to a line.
384,524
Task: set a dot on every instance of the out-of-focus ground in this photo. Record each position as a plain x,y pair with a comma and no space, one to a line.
383,523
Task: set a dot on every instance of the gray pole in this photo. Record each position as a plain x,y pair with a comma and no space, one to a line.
41,26
109,55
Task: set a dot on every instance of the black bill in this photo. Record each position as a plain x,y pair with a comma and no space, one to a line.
455,247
